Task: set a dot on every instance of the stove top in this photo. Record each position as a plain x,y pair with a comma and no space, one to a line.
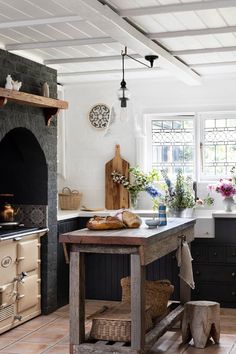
16,231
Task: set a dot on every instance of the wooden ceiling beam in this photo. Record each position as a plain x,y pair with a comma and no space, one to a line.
188,33
172,8
204,51
88,59
116,27
57,44
39,21
221,63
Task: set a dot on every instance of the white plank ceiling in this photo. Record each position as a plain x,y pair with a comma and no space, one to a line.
83,39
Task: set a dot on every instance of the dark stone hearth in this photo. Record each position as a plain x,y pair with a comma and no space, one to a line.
33,75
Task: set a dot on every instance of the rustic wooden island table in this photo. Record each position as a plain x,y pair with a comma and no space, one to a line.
144,246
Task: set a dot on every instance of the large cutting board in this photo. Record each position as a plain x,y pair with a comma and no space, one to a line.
116,196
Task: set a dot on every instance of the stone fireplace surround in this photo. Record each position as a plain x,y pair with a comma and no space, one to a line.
33,75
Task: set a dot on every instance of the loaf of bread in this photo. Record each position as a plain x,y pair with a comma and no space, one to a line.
131,220
105,223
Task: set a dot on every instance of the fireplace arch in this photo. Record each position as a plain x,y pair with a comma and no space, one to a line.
23,168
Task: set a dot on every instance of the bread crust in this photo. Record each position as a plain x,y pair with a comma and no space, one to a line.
105,223
131,220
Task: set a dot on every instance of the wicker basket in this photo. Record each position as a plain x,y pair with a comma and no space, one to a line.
69,200
157,293
115,324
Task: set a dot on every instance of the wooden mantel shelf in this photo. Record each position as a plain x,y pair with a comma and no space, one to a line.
50,106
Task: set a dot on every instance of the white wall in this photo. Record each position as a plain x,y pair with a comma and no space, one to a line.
87,150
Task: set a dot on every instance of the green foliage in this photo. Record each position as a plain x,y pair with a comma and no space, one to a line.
139,180
182,195
208,200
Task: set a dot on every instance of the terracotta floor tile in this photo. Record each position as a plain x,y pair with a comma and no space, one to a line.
65,340
58,349
25,348
14,334
44,337
61,324
50,335
210,349
38,322
5,342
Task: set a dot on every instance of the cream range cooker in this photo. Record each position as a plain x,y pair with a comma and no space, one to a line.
20,290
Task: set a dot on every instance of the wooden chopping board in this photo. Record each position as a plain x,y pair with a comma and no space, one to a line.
116,196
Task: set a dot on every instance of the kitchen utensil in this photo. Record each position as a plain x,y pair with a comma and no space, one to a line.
116,196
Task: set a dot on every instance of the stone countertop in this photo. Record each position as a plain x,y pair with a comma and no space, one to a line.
224,214
198,213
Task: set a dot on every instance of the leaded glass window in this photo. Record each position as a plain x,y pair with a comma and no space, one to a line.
219,145
173,145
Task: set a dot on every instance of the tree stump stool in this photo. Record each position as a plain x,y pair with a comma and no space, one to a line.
201,321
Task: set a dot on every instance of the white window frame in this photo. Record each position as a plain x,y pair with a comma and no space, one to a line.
168,116
201,118
198,137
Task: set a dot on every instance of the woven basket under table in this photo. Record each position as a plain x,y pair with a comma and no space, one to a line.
115,324
157,294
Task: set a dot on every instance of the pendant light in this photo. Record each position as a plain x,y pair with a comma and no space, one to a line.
123,112
123,93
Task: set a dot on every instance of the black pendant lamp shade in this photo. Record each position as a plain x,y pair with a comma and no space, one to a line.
123,93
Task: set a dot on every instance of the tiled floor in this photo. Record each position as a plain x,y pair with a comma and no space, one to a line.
49,334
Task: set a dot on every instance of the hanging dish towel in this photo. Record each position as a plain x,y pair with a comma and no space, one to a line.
184,260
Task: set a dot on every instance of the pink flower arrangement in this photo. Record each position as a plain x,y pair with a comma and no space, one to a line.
225,187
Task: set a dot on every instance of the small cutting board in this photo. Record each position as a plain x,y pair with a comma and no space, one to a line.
116,196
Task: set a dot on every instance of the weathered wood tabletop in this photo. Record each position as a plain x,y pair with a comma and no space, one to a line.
144,246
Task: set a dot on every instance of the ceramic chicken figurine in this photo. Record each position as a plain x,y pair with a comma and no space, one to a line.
16,85
11,84
8,84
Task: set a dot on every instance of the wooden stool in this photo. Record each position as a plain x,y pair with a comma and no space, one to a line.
201,321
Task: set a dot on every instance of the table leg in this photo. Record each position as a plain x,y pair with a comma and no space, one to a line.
137,303
77,298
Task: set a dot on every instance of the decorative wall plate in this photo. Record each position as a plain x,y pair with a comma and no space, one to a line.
99,116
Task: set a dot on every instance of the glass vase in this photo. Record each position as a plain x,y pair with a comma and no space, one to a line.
228,202
133,198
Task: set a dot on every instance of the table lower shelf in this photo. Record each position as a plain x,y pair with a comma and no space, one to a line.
163,325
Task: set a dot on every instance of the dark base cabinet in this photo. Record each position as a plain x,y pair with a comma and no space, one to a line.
104,271
214,265
63,268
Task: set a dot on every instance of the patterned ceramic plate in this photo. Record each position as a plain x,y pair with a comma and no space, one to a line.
99,116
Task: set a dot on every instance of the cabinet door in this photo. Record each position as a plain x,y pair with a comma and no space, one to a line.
221,273
27,255
217,254
28,293
199,253
225,294
225,230
204,227
62,267
231,254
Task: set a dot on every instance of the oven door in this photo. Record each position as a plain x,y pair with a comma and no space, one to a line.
28,294
28,255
